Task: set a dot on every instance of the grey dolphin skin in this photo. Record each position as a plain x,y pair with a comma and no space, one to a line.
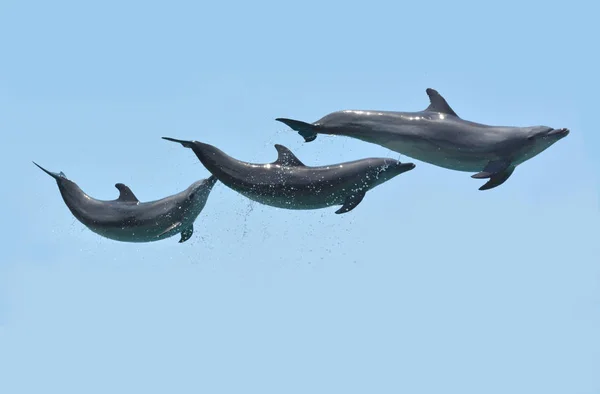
127,219
288,183
437,135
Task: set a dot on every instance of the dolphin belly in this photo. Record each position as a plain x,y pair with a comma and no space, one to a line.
452,159
146,222
134,234
306,200
292,191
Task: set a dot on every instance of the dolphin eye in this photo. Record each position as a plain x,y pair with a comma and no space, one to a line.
531,138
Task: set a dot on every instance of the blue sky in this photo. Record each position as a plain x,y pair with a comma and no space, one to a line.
428,286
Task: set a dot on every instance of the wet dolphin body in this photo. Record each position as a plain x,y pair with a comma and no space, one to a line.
288,183
129,220
438,136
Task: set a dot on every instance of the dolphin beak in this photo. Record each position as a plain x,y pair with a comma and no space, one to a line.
187,144
407,166
54,175
210,181
559,132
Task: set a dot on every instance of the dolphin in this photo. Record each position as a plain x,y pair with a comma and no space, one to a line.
127,219
288,183
438,136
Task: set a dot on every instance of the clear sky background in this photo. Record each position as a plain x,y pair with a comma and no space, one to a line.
429,286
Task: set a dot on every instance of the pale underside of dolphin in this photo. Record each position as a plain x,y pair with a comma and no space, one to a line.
437,135
288,183
127,219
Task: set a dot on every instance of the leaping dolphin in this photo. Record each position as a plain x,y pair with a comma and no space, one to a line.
288,183
437,135
127,219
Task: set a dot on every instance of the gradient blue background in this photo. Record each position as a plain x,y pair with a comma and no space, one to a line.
430,286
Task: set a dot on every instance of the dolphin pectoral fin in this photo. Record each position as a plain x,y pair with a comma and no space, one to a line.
187,233
498,171
498,179
170,228
351,202
306,130
492,168
482,175
125,194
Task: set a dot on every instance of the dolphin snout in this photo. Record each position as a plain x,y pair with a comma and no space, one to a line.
55,175
398,167
559,132
210,181
405,166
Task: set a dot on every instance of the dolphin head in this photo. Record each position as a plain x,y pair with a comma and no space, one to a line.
201,188
540,138
382,170
198,147
210,156
68,189
197,194
58,176
64,183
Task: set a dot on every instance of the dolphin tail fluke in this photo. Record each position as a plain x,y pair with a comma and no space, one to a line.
187,144
306,130
54,175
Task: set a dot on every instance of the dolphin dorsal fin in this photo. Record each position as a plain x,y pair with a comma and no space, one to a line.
286,157
126,195
438,103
